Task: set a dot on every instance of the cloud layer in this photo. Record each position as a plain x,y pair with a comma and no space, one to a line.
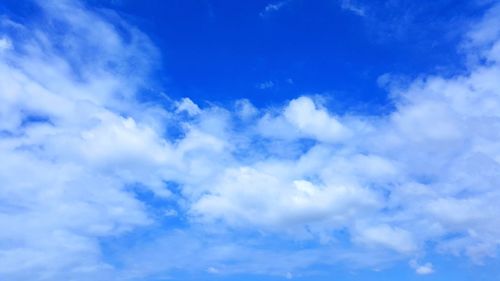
80,144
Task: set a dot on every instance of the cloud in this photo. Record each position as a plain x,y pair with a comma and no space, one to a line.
416,175
265,85
5,44
187,105
86,164
313,121
482,36
303,118
72,140
272,7
424,269
353,7
394,238
237,199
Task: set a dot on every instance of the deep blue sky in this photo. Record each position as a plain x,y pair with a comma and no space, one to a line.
221,50
218,51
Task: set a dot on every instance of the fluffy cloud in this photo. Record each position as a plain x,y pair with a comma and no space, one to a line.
426,172
72,143
80,147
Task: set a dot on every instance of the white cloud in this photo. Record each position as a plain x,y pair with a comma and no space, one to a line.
424,269
237,198
72,140
76,147
303,118
313,121
427,167
394,238
188,106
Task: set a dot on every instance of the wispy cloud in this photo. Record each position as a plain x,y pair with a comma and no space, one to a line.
353,7
265,85
273,7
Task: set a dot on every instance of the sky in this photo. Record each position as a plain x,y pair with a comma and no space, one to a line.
249,140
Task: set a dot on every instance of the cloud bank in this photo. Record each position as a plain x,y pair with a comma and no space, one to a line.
79,145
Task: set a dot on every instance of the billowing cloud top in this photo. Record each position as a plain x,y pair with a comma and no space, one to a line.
99,183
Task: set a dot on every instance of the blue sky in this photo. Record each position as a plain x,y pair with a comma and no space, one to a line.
222,50
249,140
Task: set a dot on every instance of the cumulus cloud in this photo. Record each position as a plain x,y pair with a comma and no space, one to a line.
80,149
395,182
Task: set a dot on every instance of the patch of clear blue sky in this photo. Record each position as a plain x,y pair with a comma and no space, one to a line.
221,50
